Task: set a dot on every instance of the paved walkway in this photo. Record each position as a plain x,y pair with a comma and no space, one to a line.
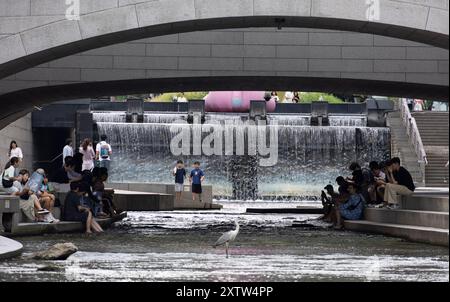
9,248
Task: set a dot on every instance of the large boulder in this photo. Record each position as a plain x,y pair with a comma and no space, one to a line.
60,251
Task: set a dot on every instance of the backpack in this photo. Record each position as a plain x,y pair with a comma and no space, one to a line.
104,151
6,183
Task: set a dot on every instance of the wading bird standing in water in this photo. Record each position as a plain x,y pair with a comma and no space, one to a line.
227,237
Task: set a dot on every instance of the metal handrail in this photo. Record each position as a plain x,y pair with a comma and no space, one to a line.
414,136
49,161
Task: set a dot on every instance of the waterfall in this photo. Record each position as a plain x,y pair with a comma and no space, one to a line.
109,117
308,157
346,120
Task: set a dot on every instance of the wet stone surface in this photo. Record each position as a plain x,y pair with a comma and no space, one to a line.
177,246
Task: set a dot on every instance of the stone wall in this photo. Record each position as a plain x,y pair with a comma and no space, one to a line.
20,131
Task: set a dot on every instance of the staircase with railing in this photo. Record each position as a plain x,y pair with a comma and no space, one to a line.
415,140
405,142
434,130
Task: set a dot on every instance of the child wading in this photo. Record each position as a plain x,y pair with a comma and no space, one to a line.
180,174
196,178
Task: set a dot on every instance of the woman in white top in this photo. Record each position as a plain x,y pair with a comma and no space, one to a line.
15,151
8,176
88,155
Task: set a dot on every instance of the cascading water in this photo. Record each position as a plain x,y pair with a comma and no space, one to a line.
308,157
351,121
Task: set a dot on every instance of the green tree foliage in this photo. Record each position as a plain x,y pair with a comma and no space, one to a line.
309,97
168,97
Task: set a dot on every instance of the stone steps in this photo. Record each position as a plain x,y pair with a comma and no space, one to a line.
401,147
434,130
422,217
435,236
408,217
425,202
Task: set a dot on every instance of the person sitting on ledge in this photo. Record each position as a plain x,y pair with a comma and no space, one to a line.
8,176
361,177
73,211
343,186
29,202
329,203
400,182
46,198
353,209
34,186
100,176
378,182
67,173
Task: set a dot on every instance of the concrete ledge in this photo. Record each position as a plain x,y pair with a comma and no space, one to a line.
298,210
435,236
426,202
143,201
9,248
28,229
408,217
186,202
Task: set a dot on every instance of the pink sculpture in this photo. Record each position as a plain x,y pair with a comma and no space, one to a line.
235,101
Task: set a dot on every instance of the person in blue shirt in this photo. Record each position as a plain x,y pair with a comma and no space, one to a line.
196,178
180,174
353,209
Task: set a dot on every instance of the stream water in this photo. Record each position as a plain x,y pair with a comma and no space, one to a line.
177,246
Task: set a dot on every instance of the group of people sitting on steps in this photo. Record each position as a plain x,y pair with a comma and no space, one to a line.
380,185
86,199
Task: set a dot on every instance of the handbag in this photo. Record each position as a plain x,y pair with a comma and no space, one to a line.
6,183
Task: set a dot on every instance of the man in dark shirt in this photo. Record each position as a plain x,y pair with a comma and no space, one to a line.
362,178
180,174
74,211
400,182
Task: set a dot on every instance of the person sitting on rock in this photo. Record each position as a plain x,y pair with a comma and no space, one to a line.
74,211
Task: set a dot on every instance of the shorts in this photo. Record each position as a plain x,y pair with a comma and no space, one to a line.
179,187
197,188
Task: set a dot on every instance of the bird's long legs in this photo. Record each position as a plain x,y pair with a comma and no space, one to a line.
226,247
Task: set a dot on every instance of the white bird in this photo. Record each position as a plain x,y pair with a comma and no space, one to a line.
227,237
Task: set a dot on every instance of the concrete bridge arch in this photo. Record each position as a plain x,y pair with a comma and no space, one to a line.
33,32
37,31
